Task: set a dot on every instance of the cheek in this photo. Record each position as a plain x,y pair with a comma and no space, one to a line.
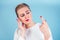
30,15
22,19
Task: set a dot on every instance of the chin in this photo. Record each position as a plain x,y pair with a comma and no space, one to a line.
27,23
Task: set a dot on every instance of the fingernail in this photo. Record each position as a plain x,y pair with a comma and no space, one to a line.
22,24
40,16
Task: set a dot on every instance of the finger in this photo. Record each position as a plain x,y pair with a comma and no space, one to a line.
18,20
43,21
23,24
42,18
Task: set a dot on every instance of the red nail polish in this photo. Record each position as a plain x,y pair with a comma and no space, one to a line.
40,16
22,24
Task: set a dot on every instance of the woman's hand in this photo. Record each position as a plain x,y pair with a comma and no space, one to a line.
44,28
22,27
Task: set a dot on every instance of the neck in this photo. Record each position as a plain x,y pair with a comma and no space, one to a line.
30,24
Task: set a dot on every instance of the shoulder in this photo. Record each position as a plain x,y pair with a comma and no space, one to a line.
38,24
17,32
15,35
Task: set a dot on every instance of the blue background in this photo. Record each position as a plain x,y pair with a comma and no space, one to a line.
49,9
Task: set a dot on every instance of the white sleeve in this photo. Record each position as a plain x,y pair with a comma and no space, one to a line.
51,38
17,36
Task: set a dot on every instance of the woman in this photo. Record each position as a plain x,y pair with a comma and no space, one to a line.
27,28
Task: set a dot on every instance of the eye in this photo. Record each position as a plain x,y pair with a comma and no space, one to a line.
22,15
27,12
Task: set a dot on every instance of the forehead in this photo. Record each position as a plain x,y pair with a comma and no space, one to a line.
22,10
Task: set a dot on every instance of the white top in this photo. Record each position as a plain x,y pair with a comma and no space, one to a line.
32,33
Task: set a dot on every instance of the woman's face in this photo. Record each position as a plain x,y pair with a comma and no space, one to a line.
25,15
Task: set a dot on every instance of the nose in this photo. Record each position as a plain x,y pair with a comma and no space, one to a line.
26,16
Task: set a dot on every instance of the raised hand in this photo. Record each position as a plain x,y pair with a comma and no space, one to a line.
21,26
44,28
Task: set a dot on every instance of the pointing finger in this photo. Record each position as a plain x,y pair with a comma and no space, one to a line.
43,20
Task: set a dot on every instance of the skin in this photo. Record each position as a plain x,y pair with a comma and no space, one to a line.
24,14
44,28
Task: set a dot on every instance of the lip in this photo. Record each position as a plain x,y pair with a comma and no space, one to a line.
27,19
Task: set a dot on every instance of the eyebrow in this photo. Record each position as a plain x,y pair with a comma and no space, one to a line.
26,10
